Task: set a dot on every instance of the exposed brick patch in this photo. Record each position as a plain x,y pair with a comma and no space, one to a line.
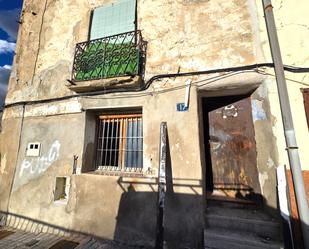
296,224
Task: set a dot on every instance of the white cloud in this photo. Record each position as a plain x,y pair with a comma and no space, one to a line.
7,66
6,47
4,79
8,22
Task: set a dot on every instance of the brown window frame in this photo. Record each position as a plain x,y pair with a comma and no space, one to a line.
119,142
305,92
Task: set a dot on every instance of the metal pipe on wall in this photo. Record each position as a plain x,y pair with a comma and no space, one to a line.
161,187
292,149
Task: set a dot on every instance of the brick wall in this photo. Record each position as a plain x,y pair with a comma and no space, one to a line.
295,217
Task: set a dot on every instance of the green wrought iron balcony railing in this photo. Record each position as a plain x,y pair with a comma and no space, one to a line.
107,57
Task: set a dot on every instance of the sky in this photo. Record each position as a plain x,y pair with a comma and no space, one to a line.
9,15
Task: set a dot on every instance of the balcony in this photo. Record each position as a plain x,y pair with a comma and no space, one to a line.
112,60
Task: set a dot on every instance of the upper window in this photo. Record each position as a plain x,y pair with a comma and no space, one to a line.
120,142
115,47
113,19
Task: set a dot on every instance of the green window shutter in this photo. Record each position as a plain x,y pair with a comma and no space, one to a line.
112,19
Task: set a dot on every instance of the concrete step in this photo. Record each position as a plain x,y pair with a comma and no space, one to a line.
227,202
217,238
251,220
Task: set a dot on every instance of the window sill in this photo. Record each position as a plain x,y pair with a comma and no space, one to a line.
149,174
104,84
61,202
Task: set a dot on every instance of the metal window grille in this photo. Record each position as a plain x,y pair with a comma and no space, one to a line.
120,142
113,56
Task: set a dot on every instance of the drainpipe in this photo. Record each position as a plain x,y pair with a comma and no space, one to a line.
288,126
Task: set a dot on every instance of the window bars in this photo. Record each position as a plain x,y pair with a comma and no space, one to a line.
120,143
112,56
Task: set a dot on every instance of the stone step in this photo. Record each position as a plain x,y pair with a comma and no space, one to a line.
226,202
250,220
217,238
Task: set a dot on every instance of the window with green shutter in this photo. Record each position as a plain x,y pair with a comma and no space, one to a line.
115,48
112,19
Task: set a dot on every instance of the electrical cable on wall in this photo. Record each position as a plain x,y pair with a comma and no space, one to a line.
148,83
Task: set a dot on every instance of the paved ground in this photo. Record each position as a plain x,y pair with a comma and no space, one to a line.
15,239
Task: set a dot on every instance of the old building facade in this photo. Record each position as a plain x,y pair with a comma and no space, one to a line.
91,83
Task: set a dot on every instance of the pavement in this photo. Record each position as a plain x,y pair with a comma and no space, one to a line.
16,239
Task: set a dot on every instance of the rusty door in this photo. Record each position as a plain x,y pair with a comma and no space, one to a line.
231,149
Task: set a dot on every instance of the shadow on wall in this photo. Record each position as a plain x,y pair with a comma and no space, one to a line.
136,220
183,218
173,231
137,215
28,224
135,224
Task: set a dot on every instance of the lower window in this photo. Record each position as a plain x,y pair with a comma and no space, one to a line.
62,187
120,142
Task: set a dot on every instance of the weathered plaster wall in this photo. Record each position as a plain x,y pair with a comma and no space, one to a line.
9,144
186,171
293,33
190,35
195,35
267,153
182,35
126,205
56,145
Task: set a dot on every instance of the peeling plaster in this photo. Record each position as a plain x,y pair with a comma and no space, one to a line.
72,106
263,177
258,112
270,163
55,108
3,163
253,11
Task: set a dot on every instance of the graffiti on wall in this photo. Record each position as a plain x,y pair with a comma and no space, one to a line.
40,164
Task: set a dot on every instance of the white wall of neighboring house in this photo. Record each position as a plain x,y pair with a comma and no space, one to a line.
292,24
